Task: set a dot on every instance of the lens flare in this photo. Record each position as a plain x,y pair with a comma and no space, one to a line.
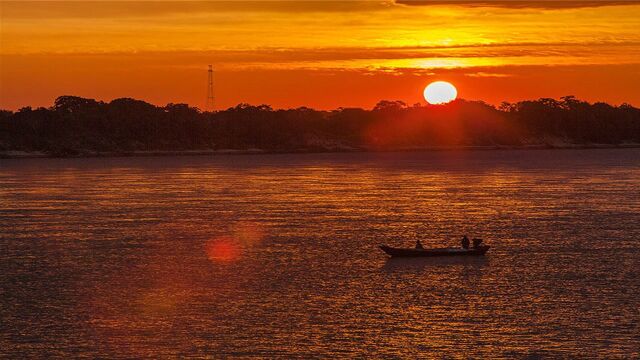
241,236
222,249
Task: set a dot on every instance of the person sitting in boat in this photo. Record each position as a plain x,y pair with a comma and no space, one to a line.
476,243
465,242
419,245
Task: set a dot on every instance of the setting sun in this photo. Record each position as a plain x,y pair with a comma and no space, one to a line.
440,92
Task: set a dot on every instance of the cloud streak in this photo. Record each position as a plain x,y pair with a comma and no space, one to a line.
418,57
521,4
132,9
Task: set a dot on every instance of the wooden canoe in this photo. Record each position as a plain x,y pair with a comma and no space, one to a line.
413,252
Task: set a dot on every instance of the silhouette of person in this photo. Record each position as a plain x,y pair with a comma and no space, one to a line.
465,242
476,243
419,245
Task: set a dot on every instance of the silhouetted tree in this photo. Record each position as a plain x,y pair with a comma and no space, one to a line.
76,125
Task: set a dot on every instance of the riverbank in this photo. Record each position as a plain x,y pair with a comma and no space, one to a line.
16,154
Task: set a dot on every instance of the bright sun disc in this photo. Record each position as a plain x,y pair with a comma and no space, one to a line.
440,92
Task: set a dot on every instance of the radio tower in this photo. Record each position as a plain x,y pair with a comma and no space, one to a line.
209,104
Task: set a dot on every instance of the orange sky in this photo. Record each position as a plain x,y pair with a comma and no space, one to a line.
322,54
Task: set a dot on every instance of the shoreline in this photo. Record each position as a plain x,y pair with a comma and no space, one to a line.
16,154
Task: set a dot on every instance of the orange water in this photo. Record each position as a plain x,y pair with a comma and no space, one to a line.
276,255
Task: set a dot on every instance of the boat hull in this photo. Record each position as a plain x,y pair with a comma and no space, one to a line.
404,252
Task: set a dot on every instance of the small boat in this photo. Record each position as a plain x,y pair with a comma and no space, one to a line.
413,252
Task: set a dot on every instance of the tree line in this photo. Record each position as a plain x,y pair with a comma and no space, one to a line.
77,126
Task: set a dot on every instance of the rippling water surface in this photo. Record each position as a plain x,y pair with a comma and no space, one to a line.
276,255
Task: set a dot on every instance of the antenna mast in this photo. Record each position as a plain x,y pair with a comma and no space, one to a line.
210,101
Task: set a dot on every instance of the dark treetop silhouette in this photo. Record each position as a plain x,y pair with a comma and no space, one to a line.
78,126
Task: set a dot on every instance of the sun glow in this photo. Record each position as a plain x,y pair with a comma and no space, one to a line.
440,92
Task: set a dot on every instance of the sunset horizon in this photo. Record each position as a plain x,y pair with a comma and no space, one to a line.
323,55
320,179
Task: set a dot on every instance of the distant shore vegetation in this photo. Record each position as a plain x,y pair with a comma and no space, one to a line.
76,126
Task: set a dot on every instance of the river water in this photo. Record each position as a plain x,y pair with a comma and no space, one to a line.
276,256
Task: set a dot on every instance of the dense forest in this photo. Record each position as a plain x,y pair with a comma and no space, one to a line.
76,126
